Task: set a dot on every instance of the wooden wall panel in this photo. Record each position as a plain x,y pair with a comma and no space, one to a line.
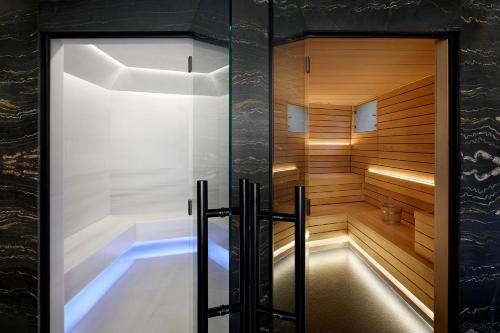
329,139
424,235
328,226
329,178
364,148
406,121
349,71
403,144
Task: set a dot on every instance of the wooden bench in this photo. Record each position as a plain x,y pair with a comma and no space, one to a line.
392,246
424,235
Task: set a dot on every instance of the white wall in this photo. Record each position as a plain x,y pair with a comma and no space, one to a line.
150,161
86,153
56,189
211,121
128,131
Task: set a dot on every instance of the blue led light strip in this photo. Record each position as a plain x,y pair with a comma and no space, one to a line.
82,303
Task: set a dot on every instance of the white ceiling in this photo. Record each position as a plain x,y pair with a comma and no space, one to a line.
130,72
164,53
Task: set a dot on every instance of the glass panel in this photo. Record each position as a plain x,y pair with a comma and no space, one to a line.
365,117
289,166
349,274
122,243
211,162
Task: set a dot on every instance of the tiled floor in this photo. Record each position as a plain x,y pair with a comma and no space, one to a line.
345,295
156,295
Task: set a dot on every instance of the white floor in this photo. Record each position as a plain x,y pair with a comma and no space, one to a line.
156,295
344,295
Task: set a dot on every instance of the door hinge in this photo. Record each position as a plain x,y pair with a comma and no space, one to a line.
308,64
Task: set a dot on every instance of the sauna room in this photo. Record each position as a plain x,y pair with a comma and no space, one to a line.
358,121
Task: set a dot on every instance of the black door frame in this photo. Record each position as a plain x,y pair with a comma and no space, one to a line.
44,137
44,128
452,36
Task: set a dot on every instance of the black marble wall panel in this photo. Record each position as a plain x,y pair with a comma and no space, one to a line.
250,95
211,20
18,166
479,127
116,15
251,122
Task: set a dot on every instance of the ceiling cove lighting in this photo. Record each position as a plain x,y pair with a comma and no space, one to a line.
403,175
115,61
107,56
76,308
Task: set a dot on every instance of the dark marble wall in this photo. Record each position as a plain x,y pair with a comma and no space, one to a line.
479,111
478,23
250,126
18,165
117,15
250,95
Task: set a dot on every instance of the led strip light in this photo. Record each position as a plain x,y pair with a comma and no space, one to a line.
76,308
403,176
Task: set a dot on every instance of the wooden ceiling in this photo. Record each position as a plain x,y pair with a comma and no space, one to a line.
351,71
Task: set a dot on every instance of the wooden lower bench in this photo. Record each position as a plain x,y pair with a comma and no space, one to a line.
392,246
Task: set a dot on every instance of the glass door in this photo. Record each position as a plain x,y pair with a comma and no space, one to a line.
290,132
211,114
133,122
348,123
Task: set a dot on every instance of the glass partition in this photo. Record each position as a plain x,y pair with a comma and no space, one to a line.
133,123
210,66
290,132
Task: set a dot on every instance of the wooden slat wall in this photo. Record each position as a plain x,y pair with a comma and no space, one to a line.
347,71
364,151
406,120
328,226
403,143
329,178
326,191
329,138
424,235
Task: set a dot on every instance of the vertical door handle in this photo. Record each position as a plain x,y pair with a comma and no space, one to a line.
300,258
202,254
